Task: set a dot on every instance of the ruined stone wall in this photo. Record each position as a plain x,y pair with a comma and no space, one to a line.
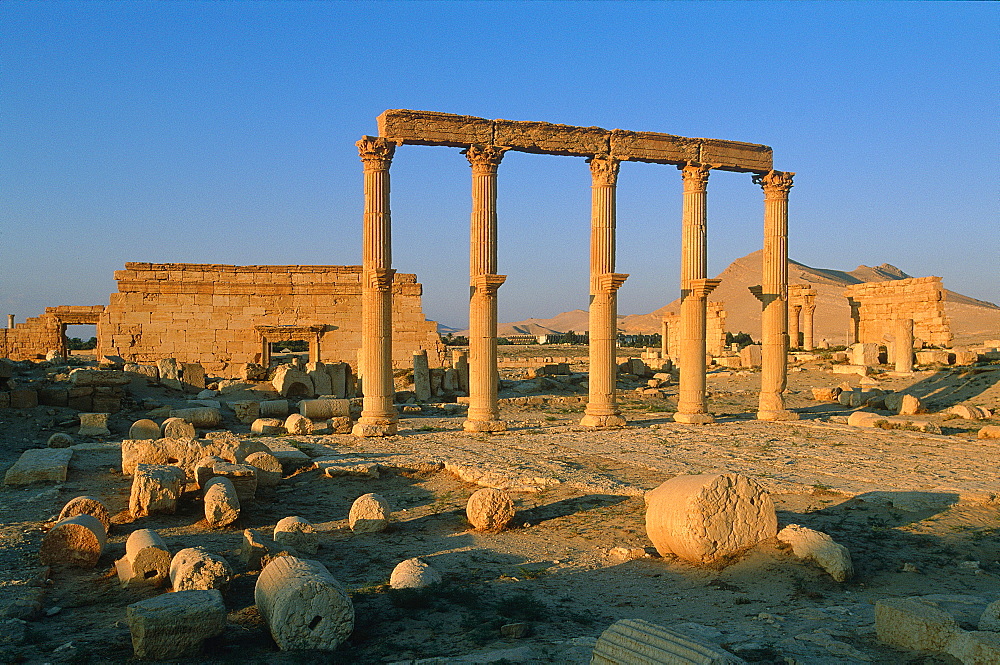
715,330
875,306
38,335
206,313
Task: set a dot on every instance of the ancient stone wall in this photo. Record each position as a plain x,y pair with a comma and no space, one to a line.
209,314
876,306
38,335
715,330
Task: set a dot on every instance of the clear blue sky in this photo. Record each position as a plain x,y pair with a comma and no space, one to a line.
224,133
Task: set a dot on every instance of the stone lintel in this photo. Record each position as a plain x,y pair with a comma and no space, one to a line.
736,156
653,147
551,139
432,128
288,333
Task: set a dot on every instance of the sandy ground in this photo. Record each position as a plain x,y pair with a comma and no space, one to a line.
920,514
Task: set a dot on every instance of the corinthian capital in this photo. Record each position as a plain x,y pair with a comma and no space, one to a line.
488,284
695,176
775,183
376,152
484,159
604,170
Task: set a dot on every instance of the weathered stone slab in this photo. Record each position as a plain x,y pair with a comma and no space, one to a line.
653,147
638,642
431,128
551,139
186,452
99,377
736,156
268,468
94,424
291,458
175,625
39,465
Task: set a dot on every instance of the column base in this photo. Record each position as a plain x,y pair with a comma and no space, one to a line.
694,418
484,426
367,427
780,414
602,422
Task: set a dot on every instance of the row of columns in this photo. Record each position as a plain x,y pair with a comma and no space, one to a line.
378,417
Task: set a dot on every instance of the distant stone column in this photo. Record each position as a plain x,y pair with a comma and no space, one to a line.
808,329
903,343
484,412
378,415
664,339
691,403
10,321
602,410
265,352
793,325
773,296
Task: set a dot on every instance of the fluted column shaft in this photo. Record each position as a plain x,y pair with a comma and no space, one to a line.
794,312
378,415
808,329
903,343
774,297
484,412
602,409
691,403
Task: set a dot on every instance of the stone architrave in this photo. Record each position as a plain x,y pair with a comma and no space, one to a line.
378,415
484,411
602,410
421,377
695,287
773,297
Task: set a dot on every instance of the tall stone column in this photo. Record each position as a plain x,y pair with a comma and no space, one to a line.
774,297
10,321
378,415
484,412
691,403
664,339
808,330
602,410
793,325
903,343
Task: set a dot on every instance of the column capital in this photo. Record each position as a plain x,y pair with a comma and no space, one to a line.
609,282
604,170
764,298
380,280
695,176
484,159
809,308
488,284
775,183
375,152
700,288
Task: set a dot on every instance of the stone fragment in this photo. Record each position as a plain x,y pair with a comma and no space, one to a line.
489,509
155,489
413,574
60,440
23,398
177,428
99,377
705,517
39,465
186,452
268,468
369,514
246,411
146,560
989,432
341,424
267,426
990,618
970,412
807,543
150,372
303,605
867,419
94,424
86,505
196,568
338,379
242,476
192,377
324,409
861,370
75,541
297,533
291,458
222,506
144,429
863,353
204,416
296,423
638,642
976,647
274,408
902,404
257,550
204,470
170,373
421,377
290,381
826,394
320,378
253,372
175,625
623,554
908,623
750,356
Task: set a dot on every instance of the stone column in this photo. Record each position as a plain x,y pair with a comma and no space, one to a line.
774,297
10,321
664,339
793,325
602,410
265,352
691,405
903,342
808,334
314,350
421,376
484,412
378,415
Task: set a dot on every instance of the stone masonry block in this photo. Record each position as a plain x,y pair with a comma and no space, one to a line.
430,128
174,625
652,147
39,465
549,138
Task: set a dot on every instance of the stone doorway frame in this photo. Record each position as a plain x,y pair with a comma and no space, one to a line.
270,334
69,318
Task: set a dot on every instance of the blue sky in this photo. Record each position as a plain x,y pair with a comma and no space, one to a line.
224,133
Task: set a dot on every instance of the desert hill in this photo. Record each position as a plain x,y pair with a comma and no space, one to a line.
971,320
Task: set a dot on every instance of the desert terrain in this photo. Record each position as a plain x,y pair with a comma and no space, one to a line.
919,513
